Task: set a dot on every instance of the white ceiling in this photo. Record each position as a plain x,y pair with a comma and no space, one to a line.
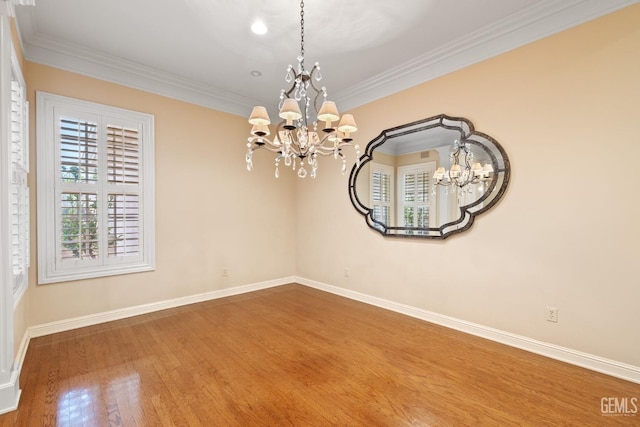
203,51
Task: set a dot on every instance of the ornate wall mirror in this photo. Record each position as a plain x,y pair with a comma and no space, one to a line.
428,179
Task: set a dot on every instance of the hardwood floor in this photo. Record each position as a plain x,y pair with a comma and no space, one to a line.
297,356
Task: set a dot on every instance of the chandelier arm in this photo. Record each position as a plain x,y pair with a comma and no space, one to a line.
314,70
325,138
324,153
456,153
293,86
272,148
295,143
263,142
345,144
337,144
318,94
466,157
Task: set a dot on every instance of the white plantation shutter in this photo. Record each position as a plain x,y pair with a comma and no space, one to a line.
78,150
381,188
78,187
101,217
414,187
123,155
79,226
123,159
124,225
19,188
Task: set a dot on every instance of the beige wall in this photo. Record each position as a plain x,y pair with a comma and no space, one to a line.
565,234
416,158
210,212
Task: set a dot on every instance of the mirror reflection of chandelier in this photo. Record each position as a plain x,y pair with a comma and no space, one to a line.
297,139
464,170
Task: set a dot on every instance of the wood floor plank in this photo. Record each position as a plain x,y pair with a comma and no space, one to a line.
296,356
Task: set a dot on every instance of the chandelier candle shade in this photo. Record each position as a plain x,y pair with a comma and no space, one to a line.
296,138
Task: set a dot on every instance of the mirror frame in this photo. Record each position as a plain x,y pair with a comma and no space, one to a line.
502,168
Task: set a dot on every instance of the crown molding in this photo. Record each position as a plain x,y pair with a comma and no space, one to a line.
542,19
83,61
538,21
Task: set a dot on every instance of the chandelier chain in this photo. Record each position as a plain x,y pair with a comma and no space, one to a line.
302,31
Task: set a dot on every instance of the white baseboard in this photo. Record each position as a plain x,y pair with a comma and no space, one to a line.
10,393
123,313
22,352
574,357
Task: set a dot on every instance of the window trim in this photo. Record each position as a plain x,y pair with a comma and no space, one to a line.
49,271
23,280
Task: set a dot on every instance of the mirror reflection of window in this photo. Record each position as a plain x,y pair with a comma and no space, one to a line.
415,207
382,196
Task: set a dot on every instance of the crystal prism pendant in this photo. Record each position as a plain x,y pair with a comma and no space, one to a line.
249,160
289,76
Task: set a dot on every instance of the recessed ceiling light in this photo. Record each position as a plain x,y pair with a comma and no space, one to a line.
256,73
259,27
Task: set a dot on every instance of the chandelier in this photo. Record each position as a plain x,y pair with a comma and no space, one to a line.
464,171
296,138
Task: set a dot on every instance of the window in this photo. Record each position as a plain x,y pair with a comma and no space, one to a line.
381,185
414,187
95,190
19,189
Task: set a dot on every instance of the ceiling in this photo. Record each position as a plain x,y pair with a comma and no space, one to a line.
203,51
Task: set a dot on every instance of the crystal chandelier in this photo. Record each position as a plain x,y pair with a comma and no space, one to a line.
296,139
463,171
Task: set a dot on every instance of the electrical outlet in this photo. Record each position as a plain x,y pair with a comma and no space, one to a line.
552,314
225,272
346,272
